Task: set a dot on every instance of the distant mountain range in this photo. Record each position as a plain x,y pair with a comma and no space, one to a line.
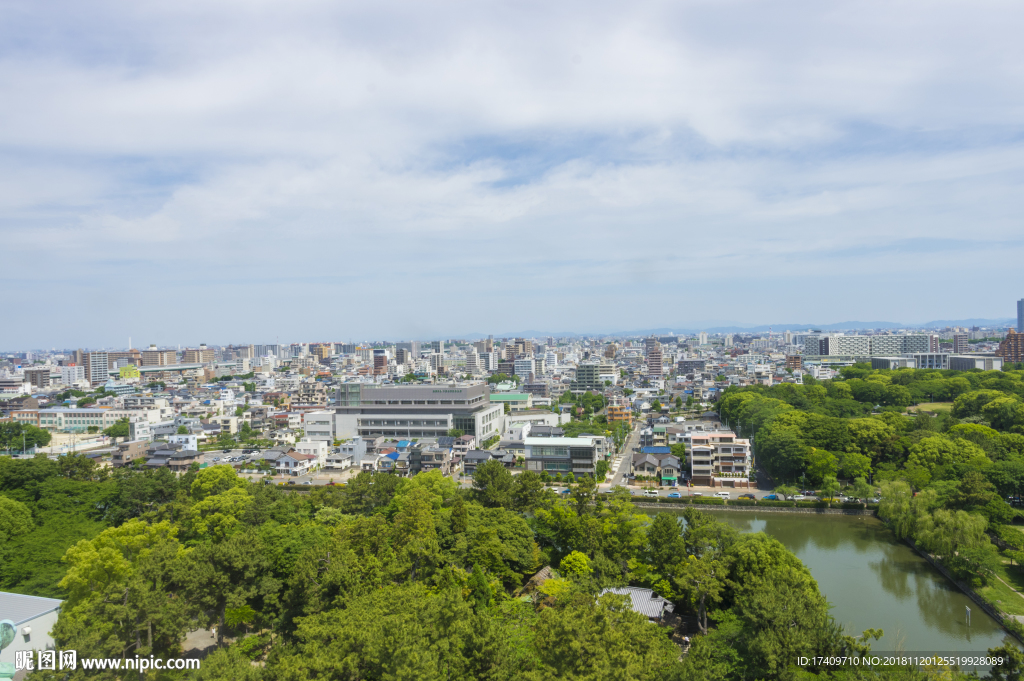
719,326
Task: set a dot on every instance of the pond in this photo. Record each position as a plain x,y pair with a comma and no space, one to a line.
875,581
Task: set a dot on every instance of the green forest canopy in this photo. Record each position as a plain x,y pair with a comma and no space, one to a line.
388,577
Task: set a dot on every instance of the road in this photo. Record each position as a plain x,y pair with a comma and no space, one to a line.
620,464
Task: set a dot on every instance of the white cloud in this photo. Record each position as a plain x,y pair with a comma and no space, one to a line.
698,146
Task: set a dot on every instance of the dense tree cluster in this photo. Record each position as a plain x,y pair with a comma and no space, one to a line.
394,578
962,463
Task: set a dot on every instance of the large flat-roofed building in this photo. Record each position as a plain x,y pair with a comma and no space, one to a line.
930,360
516,401
969,362
893,363
576,455
419,411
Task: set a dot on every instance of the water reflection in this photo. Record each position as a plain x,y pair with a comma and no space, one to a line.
873,580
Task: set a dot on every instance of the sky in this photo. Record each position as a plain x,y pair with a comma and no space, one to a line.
228,171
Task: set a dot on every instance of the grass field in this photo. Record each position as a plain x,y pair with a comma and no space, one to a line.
932,406
1004,597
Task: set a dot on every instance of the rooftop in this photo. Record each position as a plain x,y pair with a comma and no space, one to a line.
20,608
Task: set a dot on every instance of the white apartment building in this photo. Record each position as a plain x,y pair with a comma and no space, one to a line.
319,426
318,449
719,457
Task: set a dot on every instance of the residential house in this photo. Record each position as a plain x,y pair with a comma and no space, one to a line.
126,452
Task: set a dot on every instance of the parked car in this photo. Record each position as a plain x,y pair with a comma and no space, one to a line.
227,451
771,497
799,497
747,496
722,495
674,495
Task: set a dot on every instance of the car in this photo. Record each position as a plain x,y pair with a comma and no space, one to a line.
650,492
746,496
696,494
608,491
674,495
722,495
307,482
564,491
808,492
227,451
771,497
799,497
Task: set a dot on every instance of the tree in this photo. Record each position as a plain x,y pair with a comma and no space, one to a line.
493,483
785,491
120,429
577,565
829,487
862,490
15,519
679,402
701,581
656,406
182,430
527,491
455,432
601,470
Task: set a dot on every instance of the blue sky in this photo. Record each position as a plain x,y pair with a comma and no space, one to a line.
227,171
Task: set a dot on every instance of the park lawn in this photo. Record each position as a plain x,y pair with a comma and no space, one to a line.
932,406
1011,574
1003,597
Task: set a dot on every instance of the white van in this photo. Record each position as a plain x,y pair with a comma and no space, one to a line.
650,492
722,495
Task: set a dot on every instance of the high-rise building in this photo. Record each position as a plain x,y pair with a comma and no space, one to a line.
654,367
202,355
472,361
152,357
380,362
97,369
703,337
1011,349
960,344
412,346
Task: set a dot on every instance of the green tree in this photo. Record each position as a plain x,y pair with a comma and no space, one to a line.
119,429
182,430
15,519
493,484
576,564
527,491
455,432
829,487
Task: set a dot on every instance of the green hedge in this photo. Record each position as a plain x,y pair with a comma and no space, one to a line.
849,505
871,507
770,502
680,500
812,504
742,502
709,501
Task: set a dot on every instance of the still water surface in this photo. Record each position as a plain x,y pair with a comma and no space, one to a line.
875,581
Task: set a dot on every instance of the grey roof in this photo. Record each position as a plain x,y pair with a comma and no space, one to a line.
477,455
20,608
644,601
